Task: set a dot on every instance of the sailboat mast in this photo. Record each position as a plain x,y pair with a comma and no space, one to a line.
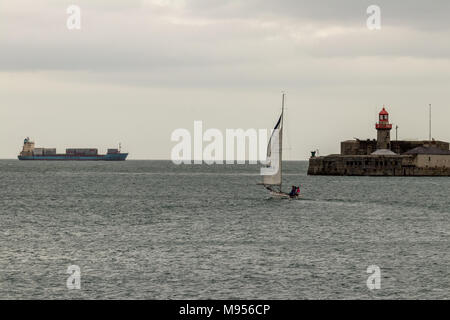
281,141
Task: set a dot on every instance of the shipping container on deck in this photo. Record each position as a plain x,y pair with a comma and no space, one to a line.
38,151
113,151
49,151
82,151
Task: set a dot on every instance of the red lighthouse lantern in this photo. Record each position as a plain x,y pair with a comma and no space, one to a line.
384,120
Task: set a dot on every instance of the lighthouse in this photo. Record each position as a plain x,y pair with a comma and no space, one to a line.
384,130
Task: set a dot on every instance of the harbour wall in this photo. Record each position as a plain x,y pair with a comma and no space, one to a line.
366,147
375,165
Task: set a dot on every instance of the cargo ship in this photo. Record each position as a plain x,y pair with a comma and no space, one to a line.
29,152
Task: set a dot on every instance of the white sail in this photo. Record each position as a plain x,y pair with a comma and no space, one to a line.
272,174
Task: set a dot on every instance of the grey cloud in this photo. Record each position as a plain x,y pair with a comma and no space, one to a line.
153,68
409,14
217,36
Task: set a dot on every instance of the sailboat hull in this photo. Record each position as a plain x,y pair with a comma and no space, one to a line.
282,195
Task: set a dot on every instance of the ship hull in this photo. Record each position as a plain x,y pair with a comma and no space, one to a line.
65,157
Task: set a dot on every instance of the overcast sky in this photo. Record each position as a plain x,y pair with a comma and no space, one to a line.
137,70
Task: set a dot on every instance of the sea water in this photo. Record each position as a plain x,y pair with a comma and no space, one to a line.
154,230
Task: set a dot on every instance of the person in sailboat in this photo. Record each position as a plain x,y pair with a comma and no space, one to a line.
295,191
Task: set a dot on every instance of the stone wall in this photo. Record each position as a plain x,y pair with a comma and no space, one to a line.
358,147
366,147
399,165
383,139
433,160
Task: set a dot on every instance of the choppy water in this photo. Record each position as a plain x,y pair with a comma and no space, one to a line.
153,230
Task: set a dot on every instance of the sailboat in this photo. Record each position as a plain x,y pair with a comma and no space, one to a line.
272,174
